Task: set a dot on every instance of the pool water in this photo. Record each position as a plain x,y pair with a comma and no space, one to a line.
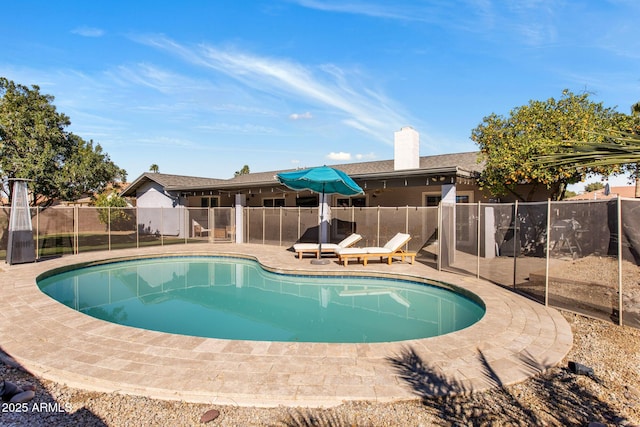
235,298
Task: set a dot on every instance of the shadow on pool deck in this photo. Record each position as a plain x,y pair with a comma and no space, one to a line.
559,393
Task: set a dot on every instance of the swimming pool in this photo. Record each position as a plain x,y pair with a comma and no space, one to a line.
235,298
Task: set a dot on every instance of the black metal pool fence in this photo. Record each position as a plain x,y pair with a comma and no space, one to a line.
581,256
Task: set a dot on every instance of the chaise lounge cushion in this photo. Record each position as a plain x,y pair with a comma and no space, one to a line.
301,248
391,248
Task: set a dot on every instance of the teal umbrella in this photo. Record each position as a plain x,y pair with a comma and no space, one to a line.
322,180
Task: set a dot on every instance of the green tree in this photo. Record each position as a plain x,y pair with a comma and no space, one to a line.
243,171
510,146
154,168
88,170
594,186
34,145
634,168
113,210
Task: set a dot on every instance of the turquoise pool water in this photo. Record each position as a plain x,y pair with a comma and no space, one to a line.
235,298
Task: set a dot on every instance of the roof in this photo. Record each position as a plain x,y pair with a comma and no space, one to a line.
461,164
170,182
628,191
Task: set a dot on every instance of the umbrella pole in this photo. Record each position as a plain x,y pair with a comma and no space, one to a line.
319,260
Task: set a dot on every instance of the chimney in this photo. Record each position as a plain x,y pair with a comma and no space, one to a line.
406,152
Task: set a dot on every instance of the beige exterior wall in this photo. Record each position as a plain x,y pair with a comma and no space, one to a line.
384,197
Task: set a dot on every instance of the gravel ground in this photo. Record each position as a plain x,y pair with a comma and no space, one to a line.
555,398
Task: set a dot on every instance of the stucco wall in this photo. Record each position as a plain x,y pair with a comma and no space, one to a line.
158,213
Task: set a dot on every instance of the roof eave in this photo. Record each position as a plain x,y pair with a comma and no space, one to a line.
450,170
130,191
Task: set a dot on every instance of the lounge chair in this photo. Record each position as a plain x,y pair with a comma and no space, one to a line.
393,248
198,229
302,248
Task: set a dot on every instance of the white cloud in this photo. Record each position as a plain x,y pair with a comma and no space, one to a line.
296,116
343,91
88,32
531,21
342,156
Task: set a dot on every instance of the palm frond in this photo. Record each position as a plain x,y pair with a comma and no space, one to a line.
616,149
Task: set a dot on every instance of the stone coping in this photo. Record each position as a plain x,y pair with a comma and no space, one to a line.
517,338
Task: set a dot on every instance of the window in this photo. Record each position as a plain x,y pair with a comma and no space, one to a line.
433,199
273,203
358,202
210,202
307,202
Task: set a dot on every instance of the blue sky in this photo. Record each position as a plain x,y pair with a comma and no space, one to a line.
204,87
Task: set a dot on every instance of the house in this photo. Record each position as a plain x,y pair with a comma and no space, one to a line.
407,180
628,191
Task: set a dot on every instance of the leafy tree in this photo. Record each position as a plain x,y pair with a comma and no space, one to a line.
86,171
510,146
114,212
34,145
594,186
154,168
243,171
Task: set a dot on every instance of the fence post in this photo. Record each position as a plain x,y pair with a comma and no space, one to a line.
109,226
137,230
76,230
161,227
298,238
516,241
264,218
353,218
439,227
37,232
548,255
212,224
406,220
280,225
185,222
619,215
378,227
478,243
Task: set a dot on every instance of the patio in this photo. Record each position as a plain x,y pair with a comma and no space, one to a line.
517,337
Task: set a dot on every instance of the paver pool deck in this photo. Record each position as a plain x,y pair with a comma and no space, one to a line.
517,338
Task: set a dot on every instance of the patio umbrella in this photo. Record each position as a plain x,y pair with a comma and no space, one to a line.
322,180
